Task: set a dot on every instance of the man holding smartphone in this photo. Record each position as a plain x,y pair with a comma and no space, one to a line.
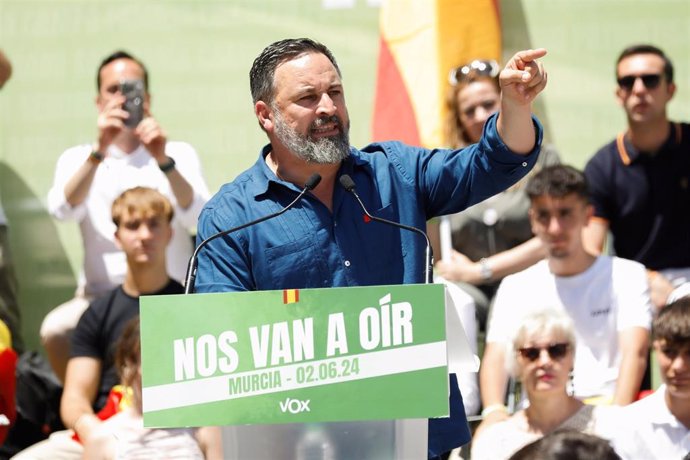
131,150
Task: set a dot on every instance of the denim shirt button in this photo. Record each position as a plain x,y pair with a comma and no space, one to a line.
347,263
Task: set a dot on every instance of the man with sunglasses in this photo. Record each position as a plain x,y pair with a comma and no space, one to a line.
606,297
640,182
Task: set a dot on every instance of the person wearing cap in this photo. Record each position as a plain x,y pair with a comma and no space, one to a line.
131,149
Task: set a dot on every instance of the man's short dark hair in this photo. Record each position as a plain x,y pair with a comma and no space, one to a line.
673,323
558,181
121,55
264,67
566,444
647,49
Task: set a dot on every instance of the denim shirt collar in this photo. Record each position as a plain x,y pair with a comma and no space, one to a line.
269,179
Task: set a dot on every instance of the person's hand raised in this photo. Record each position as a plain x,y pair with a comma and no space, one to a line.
110,122
523,77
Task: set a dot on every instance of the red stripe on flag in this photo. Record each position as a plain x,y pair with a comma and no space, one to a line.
394,117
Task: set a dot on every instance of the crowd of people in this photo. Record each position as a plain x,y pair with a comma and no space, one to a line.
567,325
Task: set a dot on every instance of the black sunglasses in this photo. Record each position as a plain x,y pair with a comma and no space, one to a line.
650,81
556,351
478,67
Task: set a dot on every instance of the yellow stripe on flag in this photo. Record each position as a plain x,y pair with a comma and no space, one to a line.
290,296
426,40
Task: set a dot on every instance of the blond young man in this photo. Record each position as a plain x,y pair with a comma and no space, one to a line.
142,218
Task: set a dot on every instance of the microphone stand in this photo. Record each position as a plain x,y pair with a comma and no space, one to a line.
349,185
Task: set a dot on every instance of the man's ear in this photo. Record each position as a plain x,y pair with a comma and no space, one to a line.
171,233
589,210
671,90
620,97
117,239
265,116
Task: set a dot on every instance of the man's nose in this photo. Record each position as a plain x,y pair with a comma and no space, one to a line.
145,231
326,105
554,224
638,86
681,362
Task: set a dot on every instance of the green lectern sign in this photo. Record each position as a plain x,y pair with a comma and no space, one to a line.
294,356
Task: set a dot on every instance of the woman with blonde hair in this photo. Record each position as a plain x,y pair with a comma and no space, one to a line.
541,356
493,238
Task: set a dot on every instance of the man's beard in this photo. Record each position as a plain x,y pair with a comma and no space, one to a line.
325,150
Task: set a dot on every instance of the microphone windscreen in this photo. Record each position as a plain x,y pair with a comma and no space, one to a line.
313,181
347,182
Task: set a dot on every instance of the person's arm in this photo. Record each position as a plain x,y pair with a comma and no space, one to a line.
634,348
522,79
5,69
210,441
154,139
110,123
101,445
660,288
81,386
493,379
499,265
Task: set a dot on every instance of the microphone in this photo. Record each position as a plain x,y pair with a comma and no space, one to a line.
190,277
349,185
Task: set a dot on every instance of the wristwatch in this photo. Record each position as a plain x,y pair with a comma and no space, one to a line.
485,269
167,167
95,156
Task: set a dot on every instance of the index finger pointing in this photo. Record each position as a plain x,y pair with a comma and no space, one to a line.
530,55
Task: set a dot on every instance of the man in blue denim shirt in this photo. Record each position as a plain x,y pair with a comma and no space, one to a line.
324,240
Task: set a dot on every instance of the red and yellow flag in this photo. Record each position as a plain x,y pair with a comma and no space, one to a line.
290,296
421,41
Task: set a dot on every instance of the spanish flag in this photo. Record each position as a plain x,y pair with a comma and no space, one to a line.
421,41
290,296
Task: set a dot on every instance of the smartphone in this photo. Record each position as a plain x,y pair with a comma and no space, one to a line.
133,90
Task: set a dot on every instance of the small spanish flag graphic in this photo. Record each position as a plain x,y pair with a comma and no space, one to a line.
290,296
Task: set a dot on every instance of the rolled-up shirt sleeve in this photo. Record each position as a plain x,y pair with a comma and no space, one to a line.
68,164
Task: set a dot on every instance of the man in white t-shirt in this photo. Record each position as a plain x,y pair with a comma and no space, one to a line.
658,426
131,150
607,298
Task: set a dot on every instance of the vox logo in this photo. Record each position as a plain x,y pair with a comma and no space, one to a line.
294,406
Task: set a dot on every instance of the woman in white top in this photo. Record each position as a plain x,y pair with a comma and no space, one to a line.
541,357
123,435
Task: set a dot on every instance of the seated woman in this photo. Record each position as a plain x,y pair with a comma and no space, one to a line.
541,356
123,435
493,238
